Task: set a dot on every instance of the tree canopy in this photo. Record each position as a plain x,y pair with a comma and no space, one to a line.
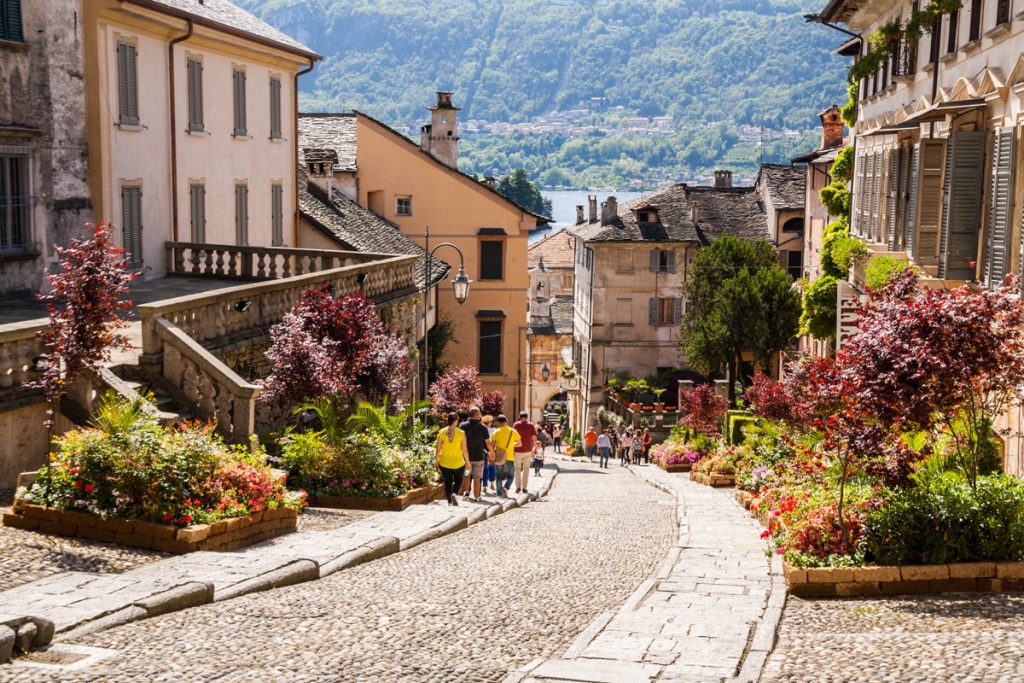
519,189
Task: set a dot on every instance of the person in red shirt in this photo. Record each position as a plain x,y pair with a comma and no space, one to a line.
524,451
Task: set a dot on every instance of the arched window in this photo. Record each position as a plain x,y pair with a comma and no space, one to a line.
793,225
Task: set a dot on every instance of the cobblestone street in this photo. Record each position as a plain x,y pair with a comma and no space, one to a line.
921,639
468,607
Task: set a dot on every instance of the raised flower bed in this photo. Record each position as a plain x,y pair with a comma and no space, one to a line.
675,454
712,479
416,496
966,577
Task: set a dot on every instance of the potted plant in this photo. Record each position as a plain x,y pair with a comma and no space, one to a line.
658,405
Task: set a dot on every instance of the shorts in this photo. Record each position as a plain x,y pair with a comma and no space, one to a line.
476,469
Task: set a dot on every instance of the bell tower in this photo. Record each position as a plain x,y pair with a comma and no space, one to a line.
440,137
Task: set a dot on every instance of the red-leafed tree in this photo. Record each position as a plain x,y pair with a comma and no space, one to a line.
492,402
84,303
702,409
456,391
769,399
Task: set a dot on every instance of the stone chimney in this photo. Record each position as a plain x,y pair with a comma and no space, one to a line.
579,214
609,210
723,178
592,201
490,181
695,213
831,127
440,137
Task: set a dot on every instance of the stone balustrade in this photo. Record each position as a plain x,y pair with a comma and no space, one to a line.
229,261
19,349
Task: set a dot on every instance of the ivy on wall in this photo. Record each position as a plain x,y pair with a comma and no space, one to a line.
883,41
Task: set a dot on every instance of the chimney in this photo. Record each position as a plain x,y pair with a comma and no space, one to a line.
592,201
723,179
491,182
609,211
579,214
440,138
831,127
695,213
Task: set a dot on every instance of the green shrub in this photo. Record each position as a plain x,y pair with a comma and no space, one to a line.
847,251
735,423
836,198
842,167
849,110
880,269
818,318
948,521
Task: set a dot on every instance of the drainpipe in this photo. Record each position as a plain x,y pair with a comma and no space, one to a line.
295,160
174,128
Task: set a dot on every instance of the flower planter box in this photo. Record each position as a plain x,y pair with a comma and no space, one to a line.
423,494
744,498
226,534
716,480
973,577
676,467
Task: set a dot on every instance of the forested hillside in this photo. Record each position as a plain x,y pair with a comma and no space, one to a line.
752,62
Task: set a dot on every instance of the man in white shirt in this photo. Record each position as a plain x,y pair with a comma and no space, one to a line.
604,448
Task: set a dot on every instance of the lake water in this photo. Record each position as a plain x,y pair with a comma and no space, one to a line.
563,207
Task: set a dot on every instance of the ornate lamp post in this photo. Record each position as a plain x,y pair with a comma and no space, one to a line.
460,284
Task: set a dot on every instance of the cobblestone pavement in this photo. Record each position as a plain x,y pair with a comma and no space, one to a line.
924,639
467,607
27,556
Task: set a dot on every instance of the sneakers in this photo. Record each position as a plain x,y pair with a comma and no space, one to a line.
454,500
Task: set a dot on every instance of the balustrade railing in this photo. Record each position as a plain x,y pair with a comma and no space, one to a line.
19,349
229,261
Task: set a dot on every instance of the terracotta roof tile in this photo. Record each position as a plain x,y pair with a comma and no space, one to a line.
558,250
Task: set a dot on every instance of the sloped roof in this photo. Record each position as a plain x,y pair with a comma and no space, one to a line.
227,16
560,321
557,250
732,210
354,228
334,132
787,185
318,154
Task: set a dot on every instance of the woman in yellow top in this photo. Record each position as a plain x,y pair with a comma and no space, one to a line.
452,457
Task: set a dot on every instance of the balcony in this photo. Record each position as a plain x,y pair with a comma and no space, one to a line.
904,61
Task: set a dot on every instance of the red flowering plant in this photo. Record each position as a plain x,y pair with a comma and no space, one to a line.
702,410
455,391
769,399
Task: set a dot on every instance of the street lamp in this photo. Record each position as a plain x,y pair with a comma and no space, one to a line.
545,372
460,283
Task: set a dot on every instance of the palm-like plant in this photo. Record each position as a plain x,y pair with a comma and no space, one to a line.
377,420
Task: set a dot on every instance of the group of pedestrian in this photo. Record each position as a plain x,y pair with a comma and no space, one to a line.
487,455
630,446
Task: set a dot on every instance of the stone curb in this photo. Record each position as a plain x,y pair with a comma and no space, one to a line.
296,572
372,550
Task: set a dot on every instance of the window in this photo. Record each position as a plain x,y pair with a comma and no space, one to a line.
238,93
241,214
954,27
936,43
275,108
492,260
1002,12
127,84
131,223
795,264
624,261
403,206
666,311
195,96
10,20
566,281
977,9
277,214
624,308
793,225
663,261
490,347
15,202
197,201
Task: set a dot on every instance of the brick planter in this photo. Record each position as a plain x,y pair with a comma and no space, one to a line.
424,494
675,467
744,498
974,577
226,534
716,480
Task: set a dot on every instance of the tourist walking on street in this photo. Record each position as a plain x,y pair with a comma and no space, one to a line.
604,449
538,462
556,438
544,438
645,443
590,444
505,440
478,444
452,458
489,468
625,447
524,451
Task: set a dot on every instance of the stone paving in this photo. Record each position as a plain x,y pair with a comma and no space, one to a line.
468,607
709,614
924,639
82,602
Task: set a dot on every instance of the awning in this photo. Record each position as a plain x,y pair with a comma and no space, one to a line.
942,109
892,128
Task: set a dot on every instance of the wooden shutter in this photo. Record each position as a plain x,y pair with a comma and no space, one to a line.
997,248
197,195
876,195
961,215
277,214
671,260
275,108
906,176
652,311
195,95
929,158
241,215
238,91
912,192
677,310
655,260
10,20
127,84
895,184
131,223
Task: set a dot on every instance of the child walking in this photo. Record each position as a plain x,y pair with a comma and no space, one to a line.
538,462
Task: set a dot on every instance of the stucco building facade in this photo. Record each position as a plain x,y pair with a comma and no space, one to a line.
552,385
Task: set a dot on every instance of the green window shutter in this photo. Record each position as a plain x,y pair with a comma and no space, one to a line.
195,96
997,251
131,223
241,215
961,215
10,21
197,195
275,108
238,88
127,84
677,310
655,260
277,214
928,201
652,311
